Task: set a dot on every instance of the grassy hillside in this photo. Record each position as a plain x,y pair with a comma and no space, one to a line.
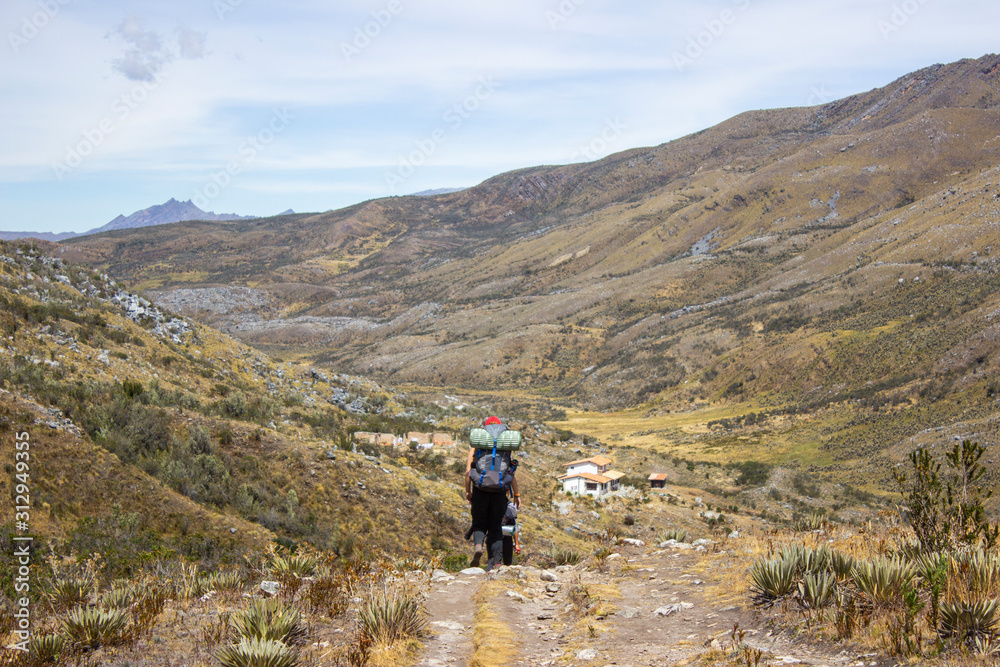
819,280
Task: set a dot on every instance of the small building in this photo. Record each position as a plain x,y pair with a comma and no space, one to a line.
657,480
367,438
442,440
590,477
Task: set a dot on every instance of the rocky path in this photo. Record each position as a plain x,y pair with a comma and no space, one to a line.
649,607
451,608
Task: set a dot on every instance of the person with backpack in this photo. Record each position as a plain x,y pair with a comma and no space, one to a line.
489,477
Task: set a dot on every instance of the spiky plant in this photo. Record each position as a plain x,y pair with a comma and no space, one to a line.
773,580
69,592
814,521
117,598
841,564
678,534
228,580
932,568
562,556
817,561
297,565
94,627
984,574
45,649
388,615
816,590
255,652
882,581
270,619
969,622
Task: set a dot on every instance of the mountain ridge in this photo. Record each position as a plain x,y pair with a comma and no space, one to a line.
589,255
159,214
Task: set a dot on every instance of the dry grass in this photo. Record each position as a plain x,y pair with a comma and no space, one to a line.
494,643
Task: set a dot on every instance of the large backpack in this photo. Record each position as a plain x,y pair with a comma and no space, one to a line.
492,466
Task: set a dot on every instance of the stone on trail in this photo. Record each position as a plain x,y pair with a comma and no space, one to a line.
670,609
270,587
586,654
547,576
517,596
438,576
449,625
634,542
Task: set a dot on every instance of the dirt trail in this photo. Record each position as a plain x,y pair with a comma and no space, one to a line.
648,609
451,608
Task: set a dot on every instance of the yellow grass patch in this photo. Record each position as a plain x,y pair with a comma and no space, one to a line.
494,643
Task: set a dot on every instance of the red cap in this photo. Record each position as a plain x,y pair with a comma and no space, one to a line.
491,420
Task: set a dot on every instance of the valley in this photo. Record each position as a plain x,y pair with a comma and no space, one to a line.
771,315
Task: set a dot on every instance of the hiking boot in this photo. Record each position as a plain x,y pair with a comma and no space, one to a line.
477,556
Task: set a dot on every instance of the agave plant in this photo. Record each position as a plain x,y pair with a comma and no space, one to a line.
816,590
388,615
255,652
95,627
44,649
841,564
882,581
678,534
296,565
773,580
984,574
814,521
969,622
817,560
223,581
117,598
270,619
69,592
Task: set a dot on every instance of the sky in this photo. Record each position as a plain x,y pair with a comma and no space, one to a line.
254,107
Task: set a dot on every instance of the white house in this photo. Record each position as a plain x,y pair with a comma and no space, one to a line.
590,477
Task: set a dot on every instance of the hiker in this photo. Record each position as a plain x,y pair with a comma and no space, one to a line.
511,543
489,477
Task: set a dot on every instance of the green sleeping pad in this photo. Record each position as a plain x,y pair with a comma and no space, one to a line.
508,440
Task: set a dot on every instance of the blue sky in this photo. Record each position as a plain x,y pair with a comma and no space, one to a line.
252,107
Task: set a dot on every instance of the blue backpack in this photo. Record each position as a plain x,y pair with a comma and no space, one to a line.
492,466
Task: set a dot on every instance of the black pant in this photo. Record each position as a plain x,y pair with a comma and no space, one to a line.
488,510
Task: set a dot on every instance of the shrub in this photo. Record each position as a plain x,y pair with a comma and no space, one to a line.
455,562
946,510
